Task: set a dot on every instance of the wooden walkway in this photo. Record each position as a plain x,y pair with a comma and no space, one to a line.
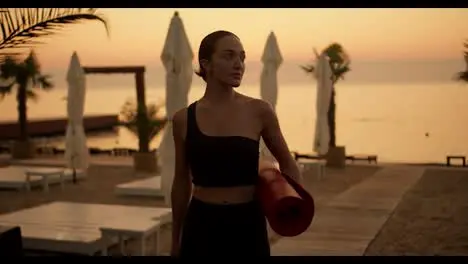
349,222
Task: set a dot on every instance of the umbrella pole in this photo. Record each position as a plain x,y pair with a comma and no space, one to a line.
74,171
74,176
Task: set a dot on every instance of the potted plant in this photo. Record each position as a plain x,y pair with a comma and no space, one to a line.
145,160
463,75
339,64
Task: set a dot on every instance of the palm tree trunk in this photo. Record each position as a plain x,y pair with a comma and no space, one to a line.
331,119
22,112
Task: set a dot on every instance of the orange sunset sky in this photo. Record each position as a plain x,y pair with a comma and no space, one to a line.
137,35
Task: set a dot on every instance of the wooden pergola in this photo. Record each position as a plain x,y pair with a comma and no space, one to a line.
142,118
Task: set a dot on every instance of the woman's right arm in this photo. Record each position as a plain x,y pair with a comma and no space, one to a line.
182,185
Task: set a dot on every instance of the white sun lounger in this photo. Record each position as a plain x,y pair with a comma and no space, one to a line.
68,239
139,229
316,167
20,177
85,228
145,187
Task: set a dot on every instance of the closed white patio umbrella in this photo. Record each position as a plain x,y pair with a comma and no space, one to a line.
272,60
177,57
323,75
76,150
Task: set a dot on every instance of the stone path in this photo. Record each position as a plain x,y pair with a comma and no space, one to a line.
350,221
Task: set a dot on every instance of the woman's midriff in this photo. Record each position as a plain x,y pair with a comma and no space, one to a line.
224,195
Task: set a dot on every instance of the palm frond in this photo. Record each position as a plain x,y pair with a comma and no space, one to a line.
31,64
5,55
21,27
5,90
465,54
466,60
316,53
31,95
463,75
341,70
308,68
335,53
9,67
338,58
44,82
22,73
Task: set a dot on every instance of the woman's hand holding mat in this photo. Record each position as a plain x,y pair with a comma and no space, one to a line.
288,207
269,164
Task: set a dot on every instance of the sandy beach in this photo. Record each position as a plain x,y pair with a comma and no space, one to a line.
431,219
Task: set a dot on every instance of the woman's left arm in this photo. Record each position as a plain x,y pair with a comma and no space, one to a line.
274,140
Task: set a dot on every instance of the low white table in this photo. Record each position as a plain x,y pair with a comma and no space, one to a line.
318,168
44,173
139,229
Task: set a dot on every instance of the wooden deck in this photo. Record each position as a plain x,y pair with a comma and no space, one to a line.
348,222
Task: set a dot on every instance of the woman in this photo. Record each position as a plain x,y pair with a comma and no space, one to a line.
217,149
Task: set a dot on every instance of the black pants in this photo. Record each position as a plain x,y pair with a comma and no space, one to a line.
224,230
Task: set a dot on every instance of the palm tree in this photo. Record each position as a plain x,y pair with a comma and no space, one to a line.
463,75
23,27
26,76
339,64
129,119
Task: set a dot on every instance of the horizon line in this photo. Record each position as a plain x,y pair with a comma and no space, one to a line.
299,62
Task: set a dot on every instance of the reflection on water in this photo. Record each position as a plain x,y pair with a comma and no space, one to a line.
119,138
390,120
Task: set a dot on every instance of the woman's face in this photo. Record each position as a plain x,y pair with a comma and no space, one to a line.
227,63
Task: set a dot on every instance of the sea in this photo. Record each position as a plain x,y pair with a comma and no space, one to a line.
415,121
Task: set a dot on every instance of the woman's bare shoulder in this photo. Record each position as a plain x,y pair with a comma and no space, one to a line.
258,106
256,103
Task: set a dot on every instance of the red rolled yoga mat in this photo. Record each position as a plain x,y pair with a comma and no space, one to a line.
288,207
